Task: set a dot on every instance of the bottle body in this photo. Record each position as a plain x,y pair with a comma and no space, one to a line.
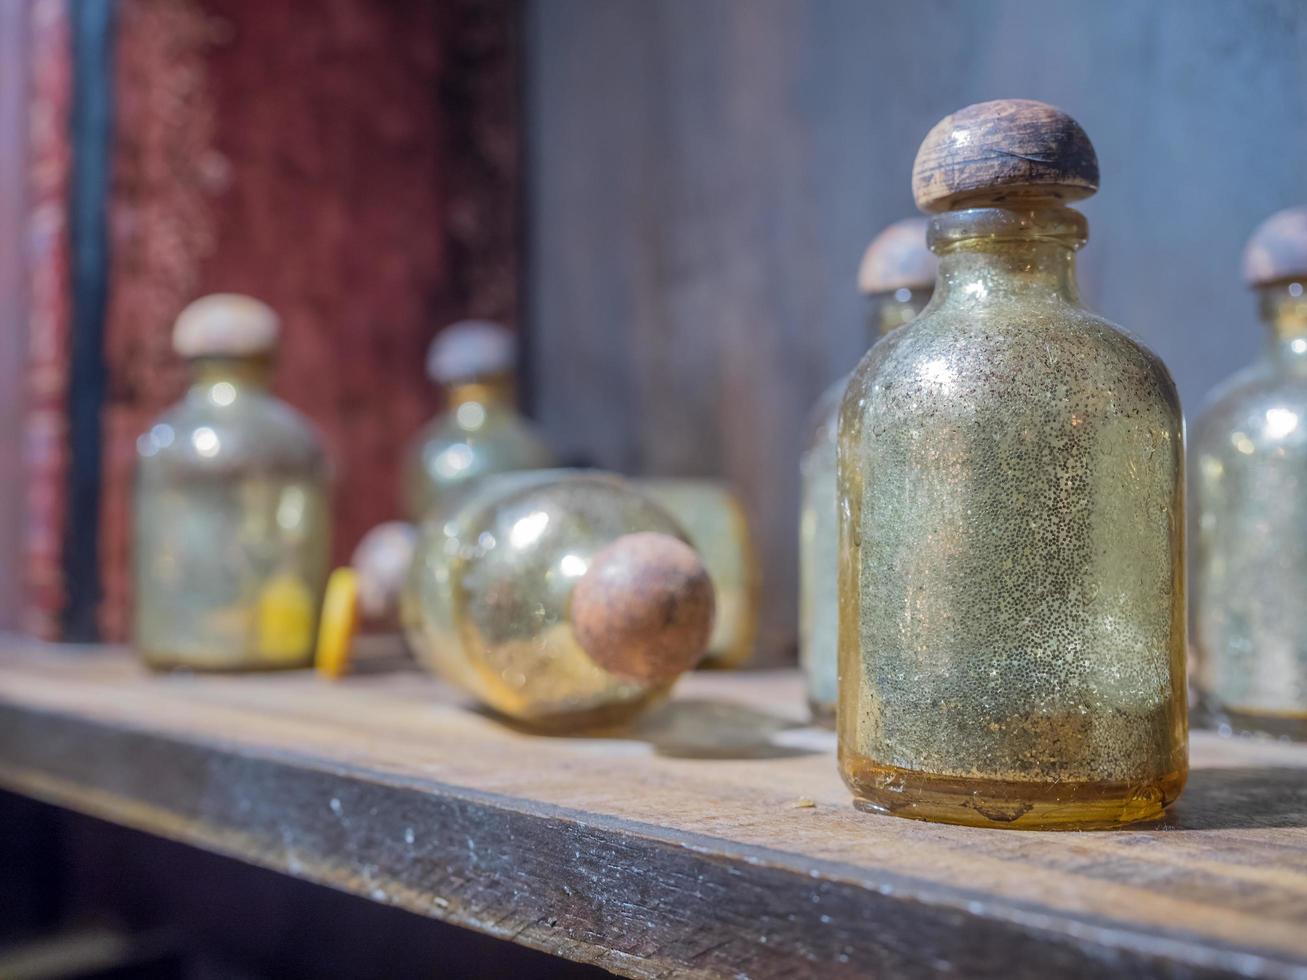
231,536
716,526
480,434
1011,578
1250,551
819,524
488,599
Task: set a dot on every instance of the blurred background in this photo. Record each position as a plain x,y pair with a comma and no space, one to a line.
667,199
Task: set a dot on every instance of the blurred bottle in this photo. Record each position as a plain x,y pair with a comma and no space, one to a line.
480,431
897,275
1250,480
231,510
561,599
717,528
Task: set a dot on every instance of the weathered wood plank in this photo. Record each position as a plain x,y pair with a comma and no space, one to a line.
686,846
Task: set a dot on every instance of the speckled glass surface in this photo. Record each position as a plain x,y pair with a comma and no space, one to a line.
1250,555
487,601
480,434
1011,581
715,523
819,525
231,527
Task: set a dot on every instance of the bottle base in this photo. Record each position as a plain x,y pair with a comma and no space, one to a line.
1011,804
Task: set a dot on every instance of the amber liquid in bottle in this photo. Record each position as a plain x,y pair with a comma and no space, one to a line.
1011,587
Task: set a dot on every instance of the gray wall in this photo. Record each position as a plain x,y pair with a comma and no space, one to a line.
703,175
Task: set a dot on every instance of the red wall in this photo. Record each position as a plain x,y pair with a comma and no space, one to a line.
46,294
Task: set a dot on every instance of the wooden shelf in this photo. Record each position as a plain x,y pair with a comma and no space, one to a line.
715,840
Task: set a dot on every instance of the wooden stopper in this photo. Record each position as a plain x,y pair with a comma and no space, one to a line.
898,258
226,325
643,610
471,349
1277,250
1011,152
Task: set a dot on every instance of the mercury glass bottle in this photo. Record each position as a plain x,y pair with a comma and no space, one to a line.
1250,562
231,512
480,431
1012,631
714,520
561,599
896,275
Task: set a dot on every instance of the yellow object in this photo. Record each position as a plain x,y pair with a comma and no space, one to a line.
285,618
340,617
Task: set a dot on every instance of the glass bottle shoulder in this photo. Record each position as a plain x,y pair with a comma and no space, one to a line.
1259,407
476,438
964,360
253,430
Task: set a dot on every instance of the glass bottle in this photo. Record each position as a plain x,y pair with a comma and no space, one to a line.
1250,555
480,431
717,527
1012,633
231,534
896,275
560,599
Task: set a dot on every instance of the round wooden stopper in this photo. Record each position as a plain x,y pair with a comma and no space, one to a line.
471,349
1004,153
643,610
226,325
898,258
1277,250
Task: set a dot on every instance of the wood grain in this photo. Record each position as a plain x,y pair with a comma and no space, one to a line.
1003,152
713,840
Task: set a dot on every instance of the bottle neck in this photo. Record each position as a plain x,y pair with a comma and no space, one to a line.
1284,309
493,390
1000,255
889,311
235,374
